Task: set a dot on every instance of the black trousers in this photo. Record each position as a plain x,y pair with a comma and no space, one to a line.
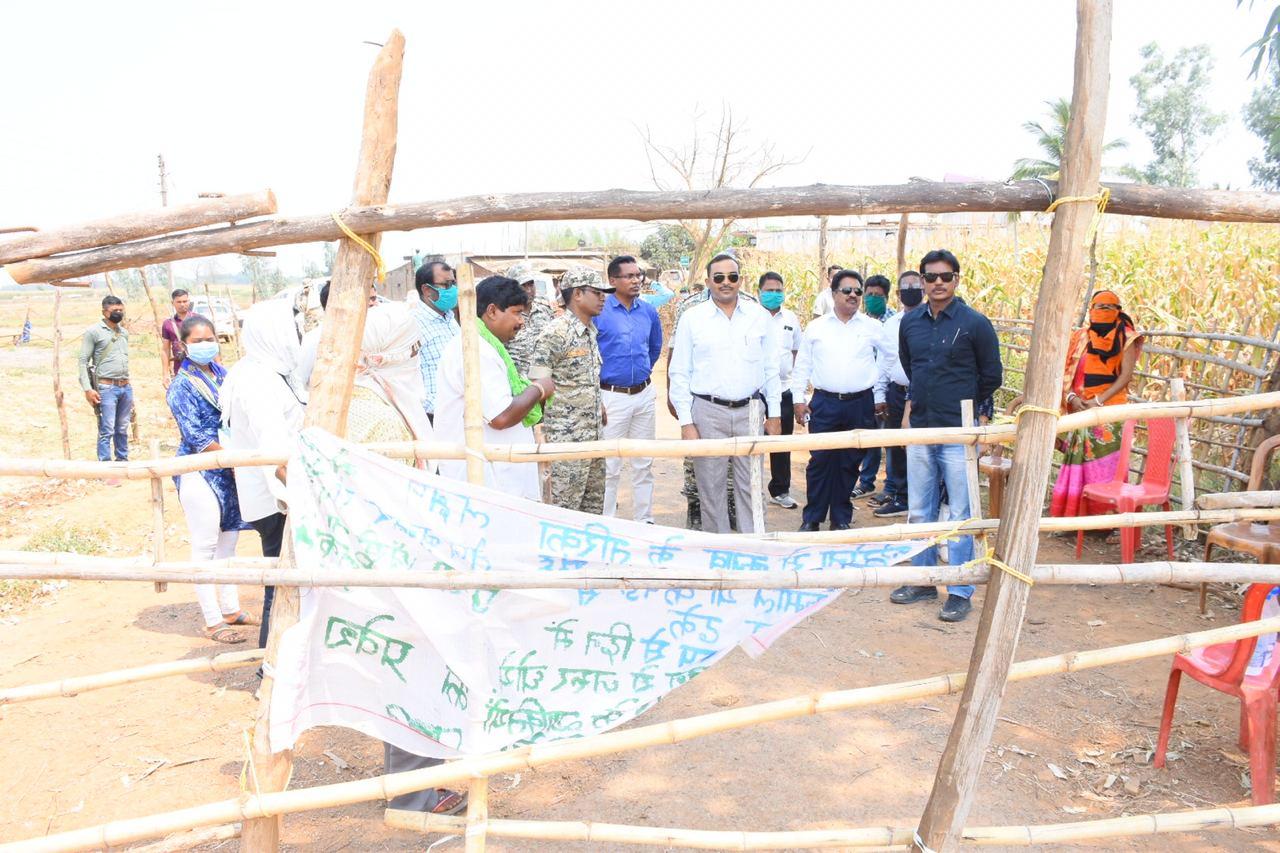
780,463
895,467
830,474
271,529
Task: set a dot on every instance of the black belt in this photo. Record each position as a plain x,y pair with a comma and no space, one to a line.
856,395
625,389
720,401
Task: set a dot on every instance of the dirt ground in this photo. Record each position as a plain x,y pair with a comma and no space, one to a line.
171,743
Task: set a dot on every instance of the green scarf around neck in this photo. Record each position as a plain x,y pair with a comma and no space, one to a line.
517,382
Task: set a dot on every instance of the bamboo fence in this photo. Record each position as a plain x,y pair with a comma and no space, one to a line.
465,770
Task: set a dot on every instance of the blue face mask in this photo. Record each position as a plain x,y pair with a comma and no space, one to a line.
772,299
448,298
202,352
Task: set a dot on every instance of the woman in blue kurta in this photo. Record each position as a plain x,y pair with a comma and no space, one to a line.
208,497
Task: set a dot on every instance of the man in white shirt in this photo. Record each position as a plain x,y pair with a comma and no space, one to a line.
789,335
824,302
507,400
842,355
911,295
725,354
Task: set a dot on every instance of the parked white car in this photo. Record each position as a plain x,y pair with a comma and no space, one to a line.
220,313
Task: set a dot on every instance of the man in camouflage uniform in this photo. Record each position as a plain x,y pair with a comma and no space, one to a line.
568,352
690,490
540,314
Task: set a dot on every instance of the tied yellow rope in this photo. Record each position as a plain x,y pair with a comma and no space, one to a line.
990,559
1023,409
1103,196
363,244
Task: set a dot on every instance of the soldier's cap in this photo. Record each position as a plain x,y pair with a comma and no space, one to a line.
521,272
579,276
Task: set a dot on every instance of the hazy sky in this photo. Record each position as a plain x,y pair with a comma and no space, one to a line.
528,96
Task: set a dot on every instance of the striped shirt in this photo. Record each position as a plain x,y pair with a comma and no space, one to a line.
435,330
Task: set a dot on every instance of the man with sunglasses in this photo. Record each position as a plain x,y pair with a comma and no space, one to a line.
725,356
949,353
842,355
437,297
911,295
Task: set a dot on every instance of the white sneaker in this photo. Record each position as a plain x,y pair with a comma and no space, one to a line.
784,500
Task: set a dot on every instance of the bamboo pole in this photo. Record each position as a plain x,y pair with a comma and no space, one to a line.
859,578
857,837
903,224
157,514
58,398
251,806
354,271
823,260
1228,500
726,202
755,420
971,467
135,226
165,371
84,683
1006,597
1186,471
626,448
191,839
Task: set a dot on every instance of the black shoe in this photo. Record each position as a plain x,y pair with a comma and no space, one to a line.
880,499
911,594
859,492
809,527
892,509
841,526
955,609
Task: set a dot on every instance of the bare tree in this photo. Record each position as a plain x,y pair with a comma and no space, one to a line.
711,161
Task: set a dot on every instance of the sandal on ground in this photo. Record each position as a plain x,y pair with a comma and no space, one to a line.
241,618
449,802
224,634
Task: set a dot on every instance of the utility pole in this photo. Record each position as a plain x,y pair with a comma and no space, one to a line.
164,202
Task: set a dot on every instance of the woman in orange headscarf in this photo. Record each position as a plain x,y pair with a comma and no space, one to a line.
1101,358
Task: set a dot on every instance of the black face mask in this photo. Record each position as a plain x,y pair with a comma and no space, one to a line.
115,316
912,297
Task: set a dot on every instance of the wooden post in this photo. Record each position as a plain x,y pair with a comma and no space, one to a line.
971,467
756,417
1186,474
1006,597
902,243
353,272
473,435
157,513
155,314
235,320
822,252
57,373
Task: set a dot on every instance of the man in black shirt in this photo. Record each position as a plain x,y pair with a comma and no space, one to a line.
950,353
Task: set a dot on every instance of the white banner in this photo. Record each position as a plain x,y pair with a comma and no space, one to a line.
447,673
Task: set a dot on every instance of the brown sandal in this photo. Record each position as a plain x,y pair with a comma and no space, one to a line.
224,634
449,802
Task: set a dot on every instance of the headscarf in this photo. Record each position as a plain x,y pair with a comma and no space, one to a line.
271,346
389,365
1108,325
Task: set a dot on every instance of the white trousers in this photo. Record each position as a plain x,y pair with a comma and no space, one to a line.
630,416
208,542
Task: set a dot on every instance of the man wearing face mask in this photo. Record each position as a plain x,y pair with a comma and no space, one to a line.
875,304
104,377
911,295
789,336
437,297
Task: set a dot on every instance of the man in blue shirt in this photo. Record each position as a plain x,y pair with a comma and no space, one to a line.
950,353
630,337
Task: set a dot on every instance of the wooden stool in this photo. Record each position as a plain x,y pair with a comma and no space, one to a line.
997,470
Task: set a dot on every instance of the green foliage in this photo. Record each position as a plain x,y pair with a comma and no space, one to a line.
1262,117
330,255
1268,44
1051,139
266,278
61,536
664,247
1174,113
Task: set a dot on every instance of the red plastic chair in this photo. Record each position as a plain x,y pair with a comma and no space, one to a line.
1124,496
1222,666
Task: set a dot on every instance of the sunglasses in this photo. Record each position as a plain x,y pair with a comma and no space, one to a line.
719,277
947,277
848,290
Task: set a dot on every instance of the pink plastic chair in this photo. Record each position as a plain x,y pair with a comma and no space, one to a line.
1223,666
1123,496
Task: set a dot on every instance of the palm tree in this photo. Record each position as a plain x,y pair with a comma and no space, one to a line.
1051,141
